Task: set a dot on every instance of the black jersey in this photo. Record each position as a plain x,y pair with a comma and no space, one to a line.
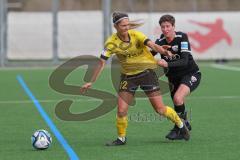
182,62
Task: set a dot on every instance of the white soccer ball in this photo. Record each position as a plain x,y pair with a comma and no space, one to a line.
41,139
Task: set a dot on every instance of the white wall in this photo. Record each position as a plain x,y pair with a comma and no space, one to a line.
29,36
80,33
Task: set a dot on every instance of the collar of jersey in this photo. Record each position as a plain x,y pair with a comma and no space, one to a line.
124,41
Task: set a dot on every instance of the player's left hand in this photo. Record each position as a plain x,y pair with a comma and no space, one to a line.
162,63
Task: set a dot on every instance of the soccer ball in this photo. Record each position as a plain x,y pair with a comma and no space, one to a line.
41,139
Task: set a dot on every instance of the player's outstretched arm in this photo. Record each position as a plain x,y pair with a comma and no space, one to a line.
160,49
95,75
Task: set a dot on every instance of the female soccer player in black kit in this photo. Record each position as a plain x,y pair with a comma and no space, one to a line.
182,71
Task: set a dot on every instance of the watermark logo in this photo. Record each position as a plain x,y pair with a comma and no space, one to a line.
108,100
56,81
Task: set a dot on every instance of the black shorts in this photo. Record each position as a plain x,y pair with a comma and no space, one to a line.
146,80
191,80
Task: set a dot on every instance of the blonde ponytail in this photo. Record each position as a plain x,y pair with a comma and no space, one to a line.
136,23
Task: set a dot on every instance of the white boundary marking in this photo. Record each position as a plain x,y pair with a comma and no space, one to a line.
95,100
224,67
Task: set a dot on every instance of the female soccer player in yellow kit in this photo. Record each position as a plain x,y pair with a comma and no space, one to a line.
137,64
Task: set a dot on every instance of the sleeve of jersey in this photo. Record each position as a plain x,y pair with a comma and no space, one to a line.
142,37
106,53
185,45
185,51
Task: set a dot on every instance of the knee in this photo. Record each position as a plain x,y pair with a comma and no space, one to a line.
121,113
178,100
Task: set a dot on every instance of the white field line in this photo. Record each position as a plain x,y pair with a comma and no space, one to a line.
95,100
54,67
219,66
224,67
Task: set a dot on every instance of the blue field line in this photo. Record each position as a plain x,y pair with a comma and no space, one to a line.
72,155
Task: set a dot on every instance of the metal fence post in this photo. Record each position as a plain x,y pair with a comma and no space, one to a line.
55,6
107,25
1,22
3,31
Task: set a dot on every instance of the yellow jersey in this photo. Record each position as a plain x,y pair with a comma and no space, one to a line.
134,56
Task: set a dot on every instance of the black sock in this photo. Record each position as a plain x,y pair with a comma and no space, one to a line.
180,109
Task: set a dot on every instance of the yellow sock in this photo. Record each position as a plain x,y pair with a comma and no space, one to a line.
122,123
173,116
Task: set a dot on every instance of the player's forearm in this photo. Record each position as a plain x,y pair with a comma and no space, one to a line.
98,71
160,50
157,48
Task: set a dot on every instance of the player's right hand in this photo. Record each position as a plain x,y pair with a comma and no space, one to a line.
169,53
85,87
